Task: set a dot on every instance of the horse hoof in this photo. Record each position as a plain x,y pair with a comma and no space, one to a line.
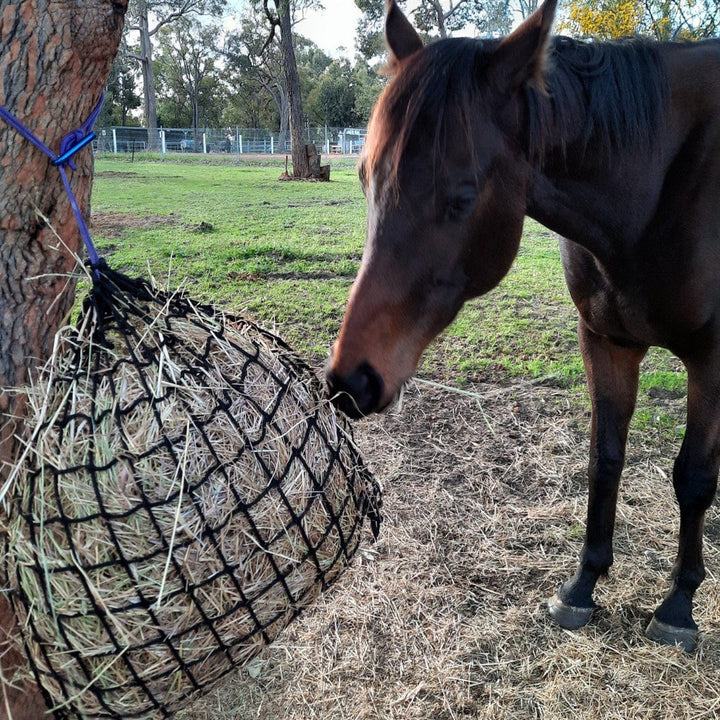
666,634
568,616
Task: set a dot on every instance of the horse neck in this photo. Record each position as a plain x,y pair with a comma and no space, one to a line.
582,206
596,152
600,196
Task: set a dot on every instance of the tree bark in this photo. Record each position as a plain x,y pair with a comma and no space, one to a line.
55,58
284,114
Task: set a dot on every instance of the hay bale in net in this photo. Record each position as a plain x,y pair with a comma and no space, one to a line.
184,495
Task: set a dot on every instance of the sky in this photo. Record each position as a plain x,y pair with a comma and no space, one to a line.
332,28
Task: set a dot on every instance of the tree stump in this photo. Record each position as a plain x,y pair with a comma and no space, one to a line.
318,171
315,171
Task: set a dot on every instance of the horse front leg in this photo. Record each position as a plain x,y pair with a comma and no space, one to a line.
695,478
612,376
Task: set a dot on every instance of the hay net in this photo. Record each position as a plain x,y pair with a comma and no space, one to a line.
186,492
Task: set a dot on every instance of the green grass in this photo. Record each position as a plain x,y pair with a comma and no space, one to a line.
285,253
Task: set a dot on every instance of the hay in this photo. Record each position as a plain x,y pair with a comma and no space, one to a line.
184,495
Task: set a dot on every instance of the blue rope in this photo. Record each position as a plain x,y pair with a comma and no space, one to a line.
70,144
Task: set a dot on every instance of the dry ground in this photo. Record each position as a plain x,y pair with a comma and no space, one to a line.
444,617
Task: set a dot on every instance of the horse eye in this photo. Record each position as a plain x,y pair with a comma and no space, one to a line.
459,205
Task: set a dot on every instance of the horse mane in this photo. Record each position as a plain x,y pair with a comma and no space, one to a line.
608,93
605,93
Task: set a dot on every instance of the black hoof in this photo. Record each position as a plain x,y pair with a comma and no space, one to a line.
666,634
567,616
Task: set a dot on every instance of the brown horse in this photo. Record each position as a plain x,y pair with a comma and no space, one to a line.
616,147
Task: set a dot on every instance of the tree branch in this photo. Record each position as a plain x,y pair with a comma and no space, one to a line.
188,7
274,23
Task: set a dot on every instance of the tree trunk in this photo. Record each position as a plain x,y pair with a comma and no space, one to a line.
55,58
439,17
284,131
279,97
148,76
301,167
528,7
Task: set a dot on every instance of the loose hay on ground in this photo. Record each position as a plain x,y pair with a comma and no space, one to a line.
184,495
445,616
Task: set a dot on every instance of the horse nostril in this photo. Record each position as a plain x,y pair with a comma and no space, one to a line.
359,393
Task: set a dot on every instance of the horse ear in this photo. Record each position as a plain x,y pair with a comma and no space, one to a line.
521,57
401,37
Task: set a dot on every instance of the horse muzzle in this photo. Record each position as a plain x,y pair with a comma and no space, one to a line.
358,394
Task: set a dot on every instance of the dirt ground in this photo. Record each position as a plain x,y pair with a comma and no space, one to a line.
113,225
444,616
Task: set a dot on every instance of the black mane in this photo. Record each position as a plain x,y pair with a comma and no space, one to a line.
609,93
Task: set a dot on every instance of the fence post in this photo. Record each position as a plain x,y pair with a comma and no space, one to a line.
240,144
163,147
114,141
204,144
272,145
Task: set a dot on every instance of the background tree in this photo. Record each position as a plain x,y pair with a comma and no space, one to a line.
279,16
163,12
439,17
254,77
188,74
121,96
436,18
343,95
332,100
368,85
525,8
370,30
603,20
681,19
54,63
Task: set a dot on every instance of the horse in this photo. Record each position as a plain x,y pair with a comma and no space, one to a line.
614,146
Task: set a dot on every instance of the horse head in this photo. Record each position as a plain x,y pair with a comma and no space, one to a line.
445,172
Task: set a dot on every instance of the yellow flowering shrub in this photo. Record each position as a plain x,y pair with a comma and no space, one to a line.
603,20
659,19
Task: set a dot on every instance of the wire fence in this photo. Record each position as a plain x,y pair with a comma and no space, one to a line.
238,141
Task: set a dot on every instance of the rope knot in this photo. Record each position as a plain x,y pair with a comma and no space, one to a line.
69,145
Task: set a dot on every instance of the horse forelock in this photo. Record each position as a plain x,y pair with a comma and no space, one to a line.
426,91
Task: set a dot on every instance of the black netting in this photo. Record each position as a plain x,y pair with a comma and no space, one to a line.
186,492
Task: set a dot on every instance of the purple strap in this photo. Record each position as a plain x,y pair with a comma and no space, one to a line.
69,145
